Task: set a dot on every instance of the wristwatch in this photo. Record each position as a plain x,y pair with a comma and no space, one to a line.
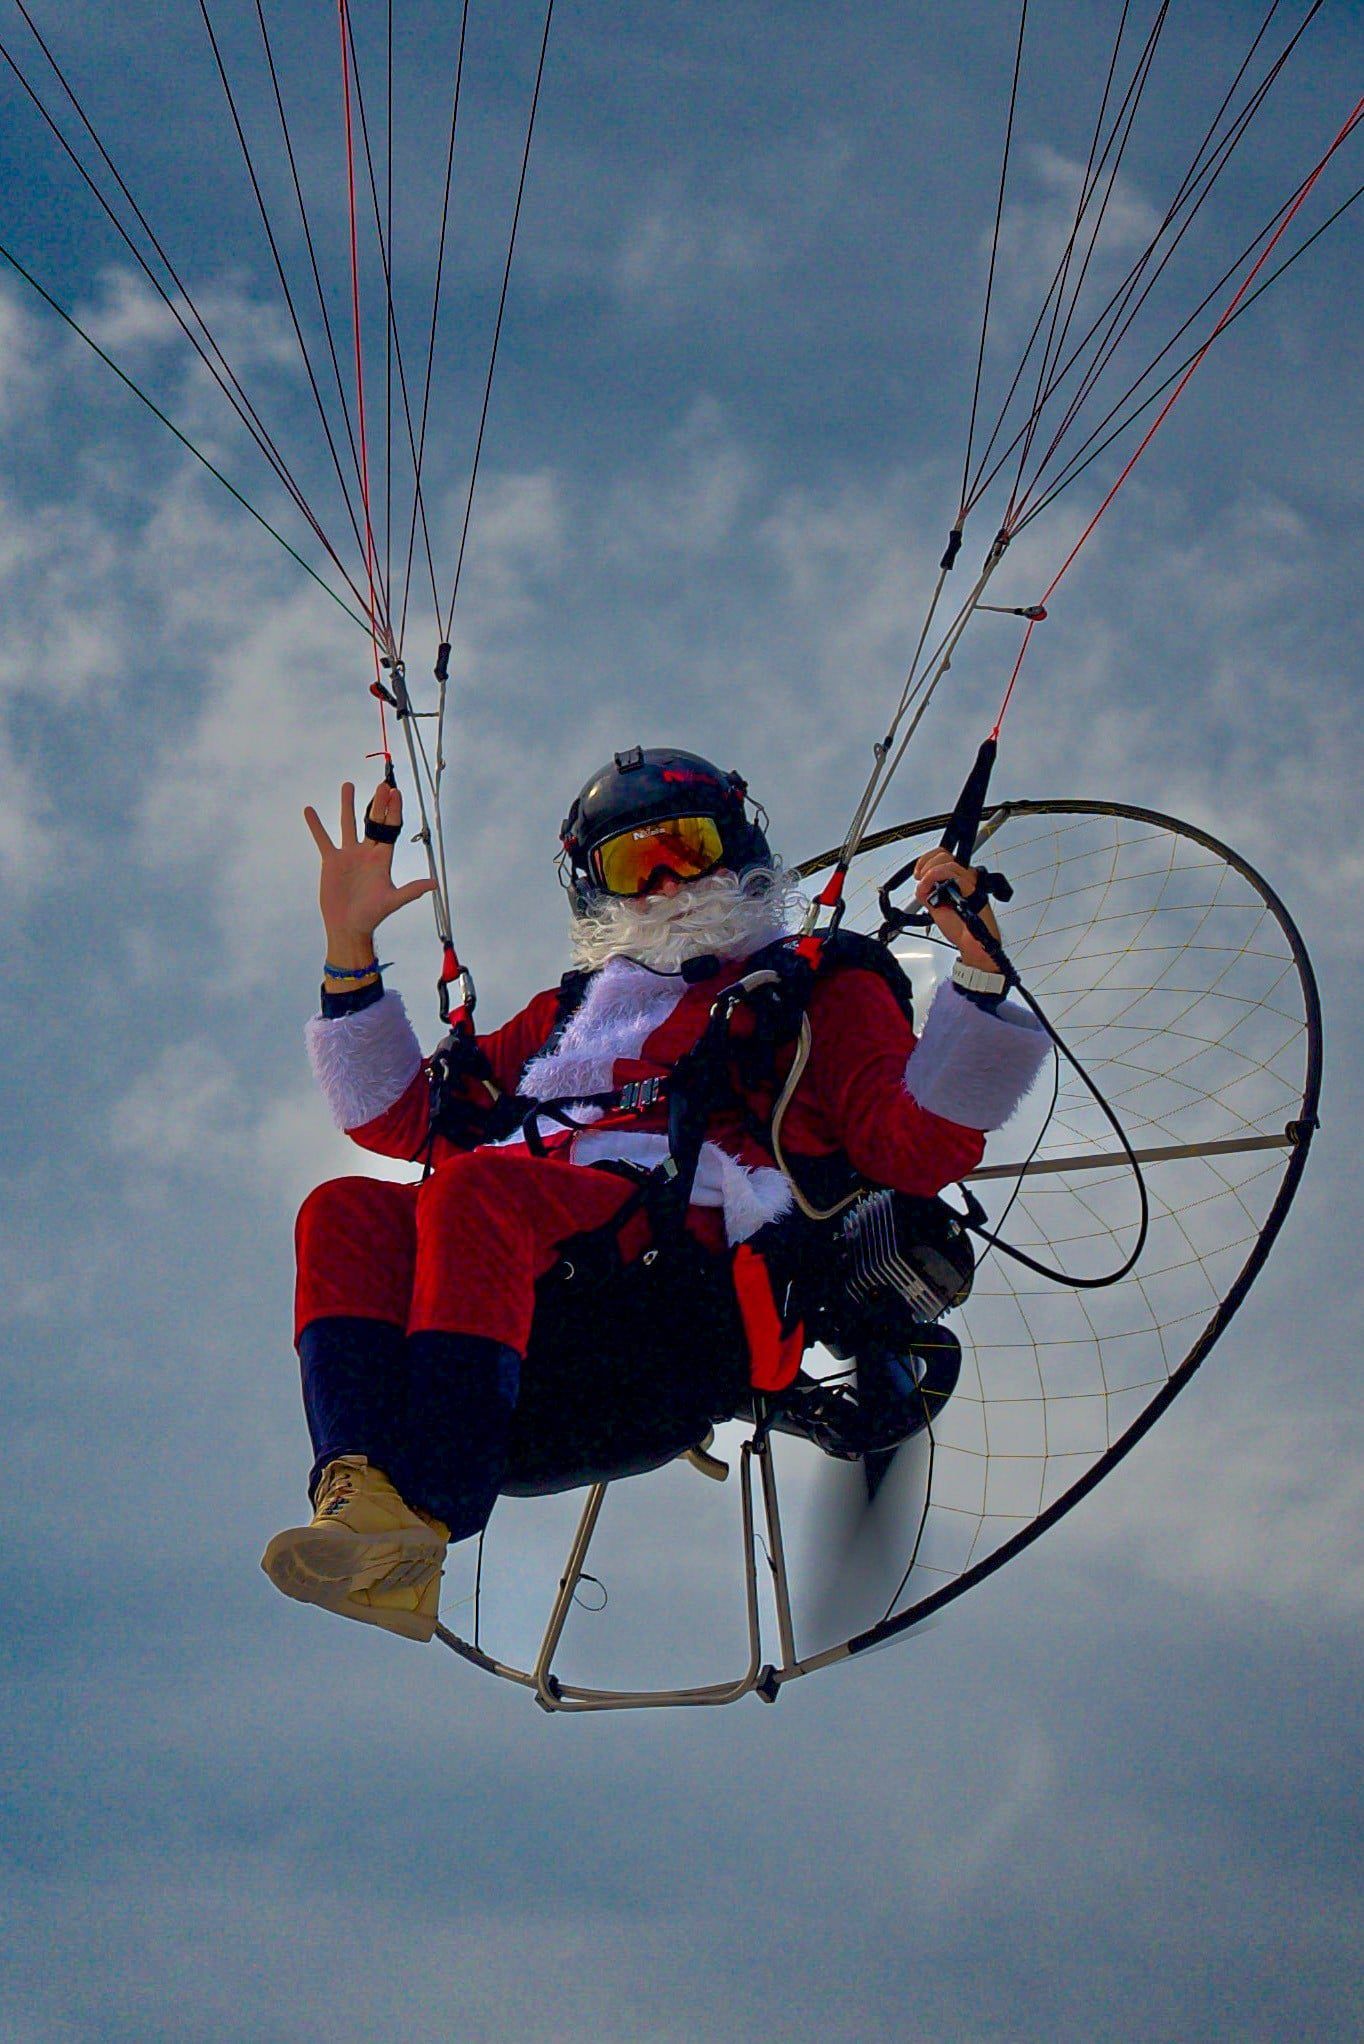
972,979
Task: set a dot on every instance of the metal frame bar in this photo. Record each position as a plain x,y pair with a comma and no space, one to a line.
1166,1153
554,1695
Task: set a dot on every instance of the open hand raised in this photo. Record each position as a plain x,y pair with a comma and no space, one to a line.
356,891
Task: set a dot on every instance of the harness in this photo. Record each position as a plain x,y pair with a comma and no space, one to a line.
729,1067
782,1276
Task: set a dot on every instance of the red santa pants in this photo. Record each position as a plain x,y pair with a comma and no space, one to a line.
460,1253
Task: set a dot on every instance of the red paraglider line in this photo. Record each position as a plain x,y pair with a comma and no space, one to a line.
1228,313
344,20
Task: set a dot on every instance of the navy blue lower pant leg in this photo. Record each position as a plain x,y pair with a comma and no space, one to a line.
355,1390
461,1393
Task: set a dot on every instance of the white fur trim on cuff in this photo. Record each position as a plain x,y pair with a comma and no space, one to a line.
974,1067
363,1061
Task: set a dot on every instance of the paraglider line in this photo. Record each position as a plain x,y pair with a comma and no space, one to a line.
497,326
1124,121
344,19
418,506
1081,459
1227,316
171,427
394,345
1199,172
211,355
1123,307
279,265
306,225
994,256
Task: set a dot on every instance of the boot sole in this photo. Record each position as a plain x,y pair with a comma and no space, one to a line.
306,1560
407,1624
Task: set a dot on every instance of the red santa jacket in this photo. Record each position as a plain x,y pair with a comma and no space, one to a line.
905,1113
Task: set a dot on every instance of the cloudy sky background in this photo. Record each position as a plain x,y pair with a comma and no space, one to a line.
1114,1793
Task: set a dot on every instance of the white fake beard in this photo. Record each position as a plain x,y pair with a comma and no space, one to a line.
722,914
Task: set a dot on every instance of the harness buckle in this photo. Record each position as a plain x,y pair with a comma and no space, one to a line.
640,1093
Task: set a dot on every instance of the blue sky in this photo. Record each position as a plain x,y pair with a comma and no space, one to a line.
1115,1791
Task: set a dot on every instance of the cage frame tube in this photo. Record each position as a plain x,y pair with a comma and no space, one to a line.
1297,1143
554,1695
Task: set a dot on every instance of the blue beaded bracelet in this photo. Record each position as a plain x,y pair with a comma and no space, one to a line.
343,972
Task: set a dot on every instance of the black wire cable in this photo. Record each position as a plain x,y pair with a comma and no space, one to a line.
1061,1277
899,1589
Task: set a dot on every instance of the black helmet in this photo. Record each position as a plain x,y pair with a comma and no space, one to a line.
647,787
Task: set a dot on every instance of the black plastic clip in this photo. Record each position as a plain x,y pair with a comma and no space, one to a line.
640,1093
987,884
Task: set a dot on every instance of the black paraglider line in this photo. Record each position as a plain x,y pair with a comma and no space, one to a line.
391,329
280,272
306,224
497,326
392,339
417,502
1123,123
1076,465
222,375
923,680
972,494
1054,370
990,273
170,426
1121,305
1187,196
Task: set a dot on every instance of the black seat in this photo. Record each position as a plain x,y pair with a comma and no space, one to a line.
626,1373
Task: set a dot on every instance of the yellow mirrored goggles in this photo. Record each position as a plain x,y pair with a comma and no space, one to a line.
678,847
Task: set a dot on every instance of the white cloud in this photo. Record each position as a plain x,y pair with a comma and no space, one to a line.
1039,219
674,250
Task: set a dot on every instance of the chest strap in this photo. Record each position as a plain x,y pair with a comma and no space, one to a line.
636,1097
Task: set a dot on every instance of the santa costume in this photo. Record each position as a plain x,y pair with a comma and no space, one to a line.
417,1303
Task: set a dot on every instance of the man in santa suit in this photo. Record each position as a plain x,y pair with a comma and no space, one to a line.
415,1302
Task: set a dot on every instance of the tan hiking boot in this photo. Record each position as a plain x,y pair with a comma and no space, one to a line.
411,1612
366,1555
